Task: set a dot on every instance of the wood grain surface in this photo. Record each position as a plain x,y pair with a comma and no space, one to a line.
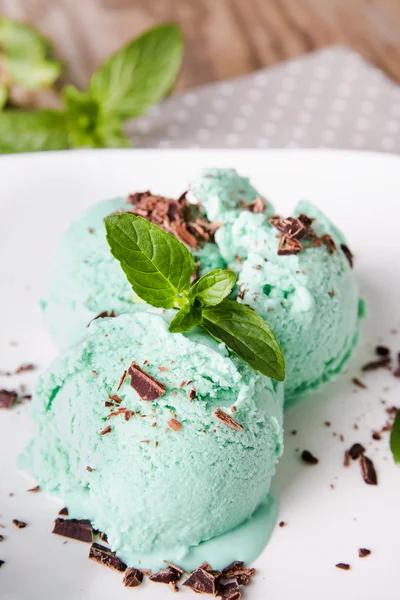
223,38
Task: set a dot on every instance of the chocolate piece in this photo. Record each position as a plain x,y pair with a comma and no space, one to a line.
106,430
7,398
103,315
121,381
382,351
327,423
287,246
132,578
1,538
233,569
306,220
103,537
376,364
1,563
243,579
346,462
19,524
282,524
76,529
173,566
396,373
89,469
167,575
34,489
359,383
206,566
146,386
24,367
356,451
346,251
257,206
363,552
229,591
227,420
308,458
203,582
115,398
107,404
64,512
95,373
173,587
174,424
331,293
192,394
105,557
368,470
290,227
376,436
343,566
329,242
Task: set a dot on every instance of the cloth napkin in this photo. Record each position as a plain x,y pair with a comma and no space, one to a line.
330,99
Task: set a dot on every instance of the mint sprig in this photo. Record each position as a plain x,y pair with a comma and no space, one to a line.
395,439
159,268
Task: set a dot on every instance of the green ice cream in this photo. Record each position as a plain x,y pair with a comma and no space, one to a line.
155,490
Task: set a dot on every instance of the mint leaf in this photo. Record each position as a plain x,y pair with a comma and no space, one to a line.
140,74
189,316
395,439
247,335
157,265
25,131
212,288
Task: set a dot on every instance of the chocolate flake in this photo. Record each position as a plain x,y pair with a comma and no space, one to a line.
368,470
89,469
1,563
121,381
7,398
206,566
396,373
231,570
174,424
23,368
106,430
287,246
382,351
348,254
64,512
243,579
146,386
329,242
173,566
308,458
173,587
359,383
356,451
203,581
106,557
290,227
103,537
192,394
104,314
227,420
376,436
95,373
229,591
133,577
257,206
34,489
282,524
167,575
76,529
343,566
363,552
376,364
19,524
115,398
346,462
1,538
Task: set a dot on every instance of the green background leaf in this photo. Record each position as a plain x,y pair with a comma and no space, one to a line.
248,335
140,74
24,131
212,288
157,265
395,439
188,317
3,96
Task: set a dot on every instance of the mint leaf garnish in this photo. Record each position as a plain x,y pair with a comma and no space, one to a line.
188,317
248,335
26,131
395,439
140,74
157,265
212,288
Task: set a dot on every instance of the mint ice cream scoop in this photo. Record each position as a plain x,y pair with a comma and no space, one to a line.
164,475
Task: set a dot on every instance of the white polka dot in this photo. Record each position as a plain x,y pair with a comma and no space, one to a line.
338,105
226,89
269,128
299,132
305,117
333,120
322,72
295,68
143,125
210,119
367,107
388,143
316,87
329,135
173,130
240,124
292,144
363,124
190,99
255,94
392,127
263,143
350,74
219,104
182,115
343,89
282,99
164,144
358,140
276,114
372,91
247,109
232,139
261,79
203,135
289,84
311,102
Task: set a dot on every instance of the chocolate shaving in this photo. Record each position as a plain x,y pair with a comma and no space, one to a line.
1,563
1,538
173,566
329,242
19,524
363,552
203,581
106,430
359,383
376,364
7,398
103,537
34,489
233,569
133,577
306,220
396,373
290,227
229,591
368,470
167,575
23,368
346,462
376,436
89,469
356,451
346,251
382,351
64,512
103,315
206,566
121,381
105,557
227,420
287,246
343,566
192,394
76,529
257,206
308,458
282,524
115,398
174,424
146,386
243,579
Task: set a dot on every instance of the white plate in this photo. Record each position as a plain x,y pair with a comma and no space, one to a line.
40,194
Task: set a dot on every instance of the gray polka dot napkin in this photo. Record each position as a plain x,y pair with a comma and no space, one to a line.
330,99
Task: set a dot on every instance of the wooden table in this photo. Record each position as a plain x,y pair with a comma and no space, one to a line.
224,38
